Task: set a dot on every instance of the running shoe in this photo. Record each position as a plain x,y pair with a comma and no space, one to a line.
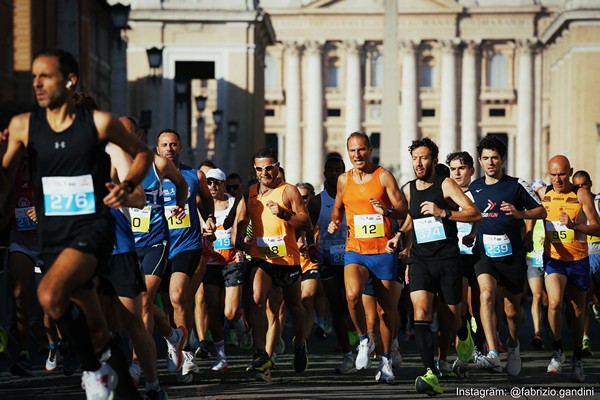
385,373
156,394
347,366
428,384
280,346
365,348
460,368
174,351
220,366
513,359
54,358
465,348
300,357
22,367
491,361
100,384
577,374
260,362
555,365
189,367
537,343
135,372
586,349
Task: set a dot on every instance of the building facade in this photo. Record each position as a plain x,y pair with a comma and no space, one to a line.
451,70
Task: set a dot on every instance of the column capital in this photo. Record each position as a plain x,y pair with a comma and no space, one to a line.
471,46
450,45
352,46
313,47
292,47
526,45
407,46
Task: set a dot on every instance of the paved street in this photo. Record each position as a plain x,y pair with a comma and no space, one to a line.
319,381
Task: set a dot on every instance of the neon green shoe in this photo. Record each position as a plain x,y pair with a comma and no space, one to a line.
465,347
428,384
353,338
473,325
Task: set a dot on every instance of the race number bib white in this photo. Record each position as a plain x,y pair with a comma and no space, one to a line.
24,223
68,195
497,245
537,259
430,229
223,241
140,219
464,229
176,223
559,233
271,246
368,226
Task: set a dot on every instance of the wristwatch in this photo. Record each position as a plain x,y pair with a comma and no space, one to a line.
129,186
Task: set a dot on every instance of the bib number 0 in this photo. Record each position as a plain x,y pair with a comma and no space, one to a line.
140,219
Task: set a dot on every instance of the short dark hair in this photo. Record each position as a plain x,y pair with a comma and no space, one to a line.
133,121
169,131
265,152
425,142
207,163
442,170
234,175
583,174
490,142
462,156
67,64
361,135
335,159
306,185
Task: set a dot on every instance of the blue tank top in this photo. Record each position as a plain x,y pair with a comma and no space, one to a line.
149,225
124,242
186,234
332,247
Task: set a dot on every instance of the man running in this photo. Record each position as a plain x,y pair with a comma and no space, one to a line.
435,203
571,216
504,202
370,197
71,174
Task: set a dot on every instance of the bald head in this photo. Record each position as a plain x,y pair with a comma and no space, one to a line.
559,161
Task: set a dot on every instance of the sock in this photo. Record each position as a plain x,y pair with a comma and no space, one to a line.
152,386
51,346
557,344
173,338
425,343
577,352
73,325
494,352
365,336
386,354
463,333
220,346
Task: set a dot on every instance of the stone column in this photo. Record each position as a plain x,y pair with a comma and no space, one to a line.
353,110
468,112
292,161
409,107
539,169
524,142
312,146
448,139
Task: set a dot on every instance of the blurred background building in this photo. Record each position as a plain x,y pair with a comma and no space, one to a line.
301,75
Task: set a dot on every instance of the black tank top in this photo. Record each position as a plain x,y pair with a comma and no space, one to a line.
75,152
438,249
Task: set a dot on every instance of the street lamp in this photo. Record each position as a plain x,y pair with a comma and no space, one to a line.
217,117
201,103
232,128
154,59
119,14
181,90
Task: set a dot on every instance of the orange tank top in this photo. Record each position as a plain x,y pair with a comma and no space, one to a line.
368,231
562,243
273,239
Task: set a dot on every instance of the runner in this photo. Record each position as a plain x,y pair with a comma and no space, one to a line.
571,216
70,174
504,202
370,196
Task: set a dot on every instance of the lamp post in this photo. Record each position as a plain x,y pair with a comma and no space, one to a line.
232,129
154,59
200,125
119,14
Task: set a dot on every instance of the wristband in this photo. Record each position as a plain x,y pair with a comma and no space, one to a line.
211,216
129,186
389,211
448,213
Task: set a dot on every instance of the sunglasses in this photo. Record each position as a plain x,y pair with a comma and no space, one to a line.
306,196
213,182
267,168
232,187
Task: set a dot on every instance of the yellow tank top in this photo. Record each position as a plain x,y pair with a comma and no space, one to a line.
562,243
273,239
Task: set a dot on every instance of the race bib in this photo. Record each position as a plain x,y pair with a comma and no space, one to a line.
559,233
463,230
336,255
223,241
140,219
176,223
68,195
497,245
537,258
368,226
593,239
24,223
271,247
430,229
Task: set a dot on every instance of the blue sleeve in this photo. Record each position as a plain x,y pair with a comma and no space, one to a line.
527,195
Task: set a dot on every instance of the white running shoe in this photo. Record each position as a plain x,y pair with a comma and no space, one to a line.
100,384
54,358
513,360
385,373
577,374
174,351
347,366
365,348
460,368
220,366
555,365
135,371
491,361
188,363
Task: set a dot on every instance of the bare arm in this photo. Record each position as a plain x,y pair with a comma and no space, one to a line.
469,212
292,200
587,200
120,165
242,221
399,205
12,147
166,169
207,205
